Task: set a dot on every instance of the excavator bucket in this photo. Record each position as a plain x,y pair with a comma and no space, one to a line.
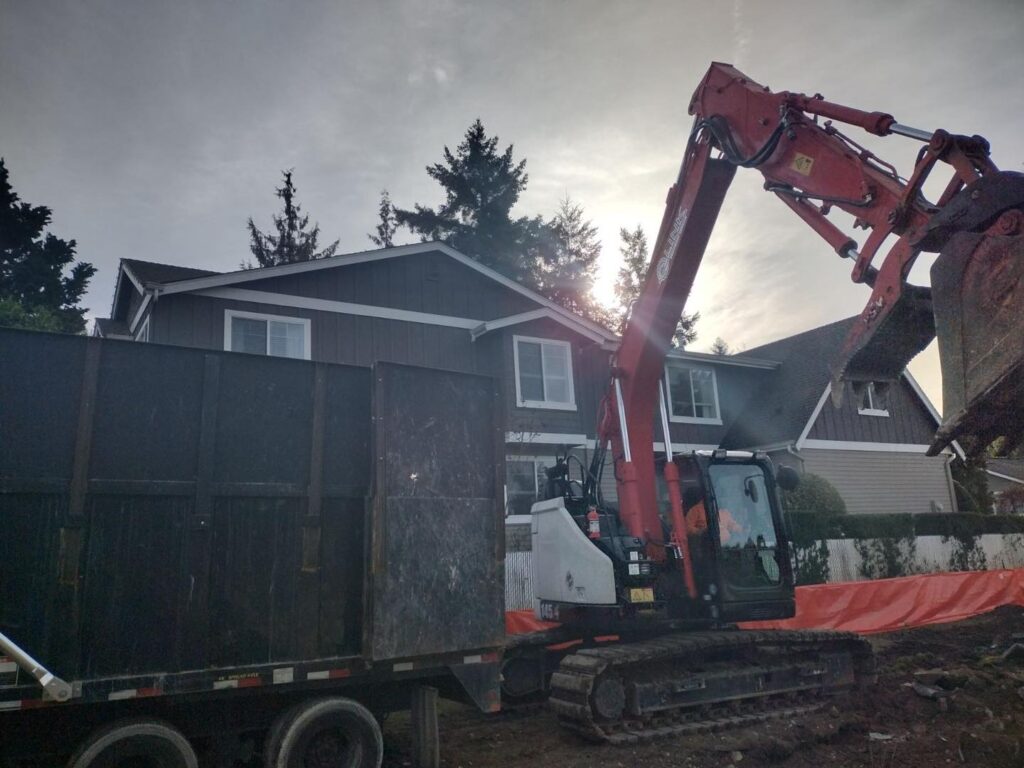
975,307
884,339
978,295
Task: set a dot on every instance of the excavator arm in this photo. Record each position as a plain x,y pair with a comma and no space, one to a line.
976,302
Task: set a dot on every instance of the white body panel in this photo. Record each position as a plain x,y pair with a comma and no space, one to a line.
567,567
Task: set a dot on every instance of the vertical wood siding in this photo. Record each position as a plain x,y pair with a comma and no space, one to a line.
907,422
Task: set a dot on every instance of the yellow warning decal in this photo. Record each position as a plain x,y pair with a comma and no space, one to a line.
641,595
802,164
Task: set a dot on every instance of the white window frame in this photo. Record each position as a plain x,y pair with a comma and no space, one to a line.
548,404
538,484
307,339
142,334
714,388
872,411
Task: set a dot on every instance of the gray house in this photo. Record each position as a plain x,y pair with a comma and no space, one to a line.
427,304
1006,482
872,448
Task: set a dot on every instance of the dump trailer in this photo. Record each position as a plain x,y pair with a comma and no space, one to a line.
216,556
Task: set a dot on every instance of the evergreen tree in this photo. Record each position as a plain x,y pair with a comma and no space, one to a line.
569,265
34,290
387,224
630,281
481,186
292,242
719,347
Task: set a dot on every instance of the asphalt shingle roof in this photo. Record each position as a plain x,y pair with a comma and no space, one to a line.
1009,467
150,272
779,410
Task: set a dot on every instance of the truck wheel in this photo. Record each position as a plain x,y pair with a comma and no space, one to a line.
139,743
325,733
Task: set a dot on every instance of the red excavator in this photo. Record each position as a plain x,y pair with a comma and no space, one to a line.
671,573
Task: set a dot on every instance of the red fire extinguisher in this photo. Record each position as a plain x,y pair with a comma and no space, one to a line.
593,524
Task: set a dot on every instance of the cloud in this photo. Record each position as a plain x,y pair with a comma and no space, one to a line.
740,35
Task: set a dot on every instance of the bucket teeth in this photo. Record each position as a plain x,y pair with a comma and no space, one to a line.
883,340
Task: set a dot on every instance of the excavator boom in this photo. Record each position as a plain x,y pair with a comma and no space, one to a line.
975,303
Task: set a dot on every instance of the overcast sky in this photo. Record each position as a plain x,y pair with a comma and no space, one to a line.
154,129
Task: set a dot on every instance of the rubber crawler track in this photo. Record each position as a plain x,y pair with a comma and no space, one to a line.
573,684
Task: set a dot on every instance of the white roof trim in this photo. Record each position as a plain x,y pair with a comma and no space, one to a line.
558,438
525,317
230,278
749,362
547,438
769,447
131,276
705,357
852,445
474,326
269,298
1001,476
930,408
148,297
814,417
685,447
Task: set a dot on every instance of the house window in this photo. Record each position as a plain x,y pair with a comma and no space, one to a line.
143,333
874,401
260,334
524,482
544,374
692,394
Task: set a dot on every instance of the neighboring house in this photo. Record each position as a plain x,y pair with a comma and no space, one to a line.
1006,482
872,447
427,304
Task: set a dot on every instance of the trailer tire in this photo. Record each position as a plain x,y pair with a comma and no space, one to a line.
325,733
160,744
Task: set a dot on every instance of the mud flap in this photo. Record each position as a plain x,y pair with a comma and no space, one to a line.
482,682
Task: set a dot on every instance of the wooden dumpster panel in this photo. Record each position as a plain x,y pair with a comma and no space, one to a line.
342,568
148,405
436,593
40,386
438,570
131,583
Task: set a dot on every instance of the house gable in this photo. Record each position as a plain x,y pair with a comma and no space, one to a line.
907,422
794,406
291,270
427,283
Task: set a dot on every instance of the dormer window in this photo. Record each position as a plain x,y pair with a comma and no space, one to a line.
692,394
543,373
874,400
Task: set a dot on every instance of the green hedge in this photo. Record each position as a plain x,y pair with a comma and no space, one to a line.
815,495
806,528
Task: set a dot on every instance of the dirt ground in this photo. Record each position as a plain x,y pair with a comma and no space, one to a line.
976,717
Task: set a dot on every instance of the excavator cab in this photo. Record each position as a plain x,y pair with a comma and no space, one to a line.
737,542
736,537
754,576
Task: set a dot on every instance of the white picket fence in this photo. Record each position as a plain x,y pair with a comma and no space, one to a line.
933,554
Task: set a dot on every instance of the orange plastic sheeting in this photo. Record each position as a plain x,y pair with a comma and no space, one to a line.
885,605
867,607
524,622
